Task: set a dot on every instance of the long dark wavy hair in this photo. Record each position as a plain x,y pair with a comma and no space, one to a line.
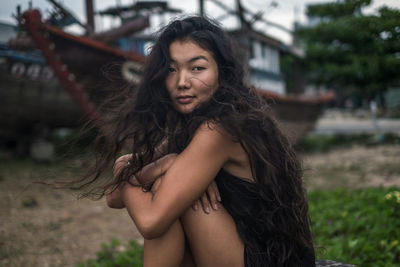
147,119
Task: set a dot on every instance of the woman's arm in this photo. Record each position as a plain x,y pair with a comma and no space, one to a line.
183,183
146,176
154,170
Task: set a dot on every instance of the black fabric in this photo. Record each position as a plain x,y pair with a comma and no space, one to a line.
242,200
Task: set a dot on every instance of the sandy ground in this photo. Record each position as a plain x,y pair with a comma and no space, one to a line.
353,167
40,226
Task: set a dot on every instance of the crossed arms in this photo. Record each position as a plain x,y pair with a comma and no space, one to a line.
182,180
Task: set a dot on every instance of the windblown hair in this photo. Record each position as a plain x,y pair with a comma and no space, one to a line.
147,119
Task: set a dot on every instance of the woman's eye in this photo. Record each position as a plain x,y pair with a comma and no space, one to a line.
170,69
198,68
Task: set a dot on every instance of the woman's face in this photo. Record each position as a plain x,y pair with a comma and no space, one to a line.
193,76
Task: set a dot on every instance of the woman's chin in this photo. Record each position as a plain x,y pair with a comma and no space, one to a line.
185,109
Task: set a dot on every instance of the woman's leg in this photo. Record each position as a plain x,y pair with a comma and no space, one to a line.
213,238
168,249
188,260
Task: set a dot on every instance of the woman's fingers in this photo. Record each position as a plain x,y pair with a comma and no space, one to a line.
170,158
121,162
196,205
217,194
155,186
213,195
210,198
205,203
124,159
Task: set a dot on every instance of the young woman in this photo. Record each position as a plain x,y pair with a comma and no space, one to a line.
193,126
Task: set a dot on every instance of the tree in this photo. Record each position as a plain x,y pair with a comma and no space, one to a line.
349,50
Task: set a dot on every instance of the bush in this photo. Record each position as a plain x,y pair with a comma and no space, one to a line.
360,227
323,143
116,255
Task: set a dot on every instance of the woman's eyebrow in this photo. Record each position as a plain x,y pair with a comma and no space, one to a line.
192,59
197,58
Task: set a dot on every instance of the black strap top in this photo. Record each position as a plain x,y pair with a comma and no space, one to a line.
253,215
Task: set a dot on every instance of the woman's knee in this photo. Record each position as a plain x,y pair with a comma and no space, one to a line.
213,237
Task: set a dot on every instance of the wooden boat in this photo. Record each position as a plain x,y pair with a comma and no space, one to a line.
31,98
79,64
295,115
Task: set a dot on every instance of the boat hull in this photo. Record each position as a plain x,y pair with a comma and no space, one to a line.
80,65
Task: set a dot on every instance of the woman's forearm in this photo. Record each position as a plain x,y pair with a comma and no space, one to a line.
139,205
145,177
154,170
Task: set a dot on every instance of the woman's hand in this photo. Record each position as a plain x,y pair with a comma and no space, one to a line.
113,195
151,172
146,177
210,198
121,163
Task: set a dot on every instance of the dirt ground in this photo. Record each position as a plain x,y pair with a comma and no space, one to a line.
353,167
40,226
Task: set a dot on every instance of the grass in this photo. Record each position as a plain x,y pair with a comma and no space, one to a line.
114,254
323,143
360,227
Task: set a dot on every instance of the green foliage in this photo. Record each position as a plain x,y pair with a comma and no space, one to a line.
3,255
116,255
349,50
323,143
336,9
360,227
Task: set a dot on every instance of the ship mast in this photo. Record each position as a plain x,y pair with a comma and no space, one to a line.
244,25
201,7
90,17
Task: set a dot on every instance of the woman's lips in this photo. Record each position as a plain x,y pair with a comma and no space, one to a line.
184,99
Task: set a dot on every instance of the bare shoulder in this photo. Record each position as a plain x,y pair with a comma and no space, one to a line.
238,161
213,133
217,140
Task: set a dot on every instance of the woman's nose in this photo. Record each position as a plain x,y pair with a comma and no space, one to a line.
183,80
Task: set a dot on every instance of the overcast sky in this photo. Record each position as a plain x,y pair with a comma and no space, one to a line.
285,12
